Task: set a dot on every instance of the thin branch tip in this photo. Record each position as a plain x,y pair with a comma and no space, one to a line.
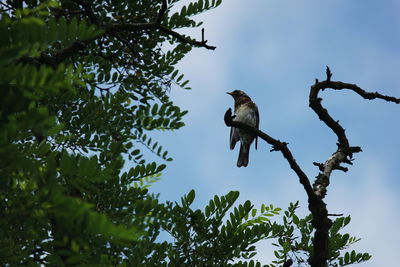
328,74
319,165
335,215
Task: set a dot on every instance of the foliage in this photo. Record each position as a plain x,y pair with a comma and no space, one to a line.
77,102
84,88
207,238
295,241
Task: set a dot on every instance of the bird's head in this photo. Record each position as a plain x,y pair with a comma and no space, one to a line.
237,93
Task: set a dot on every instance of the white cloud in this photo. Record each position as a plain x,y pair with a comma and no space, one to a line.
373,207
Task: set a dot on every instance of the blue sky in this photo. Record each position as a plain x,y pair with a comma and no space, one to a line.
274,50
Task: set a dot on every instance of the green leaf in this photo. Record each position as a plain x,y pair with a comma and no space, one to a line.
295,219
174,74
277,254
107,76
180,78
346,258
183,11
154,109
43,149
190,197
353,256
114,77
68,164
161,167
217,201
253,212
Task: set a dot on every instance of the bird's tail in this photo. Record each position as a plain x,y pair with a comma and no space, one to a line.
243,159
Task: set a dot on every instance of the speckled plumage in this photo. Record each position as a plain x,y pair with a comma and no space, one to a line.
246,111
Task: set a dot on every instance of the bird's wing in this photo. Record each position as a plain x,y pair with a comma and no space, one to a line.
234,137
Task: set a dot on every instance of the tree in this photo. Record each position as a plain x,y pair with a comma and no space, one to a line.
325,246
84,83
84,87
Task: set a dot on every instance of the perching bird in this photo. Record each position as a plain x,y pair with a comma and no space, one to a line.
246,111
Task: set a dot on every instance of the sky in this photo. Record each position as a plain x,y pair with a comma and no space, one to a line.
273,50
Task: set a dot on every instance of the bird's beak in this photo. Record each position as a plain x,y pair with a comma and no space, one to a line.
229,93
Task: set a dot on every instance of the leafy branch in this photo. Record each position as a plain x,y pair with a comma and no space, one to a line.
111,29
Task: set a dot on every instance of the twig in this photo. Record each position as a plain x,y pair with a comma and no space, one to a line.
185,39
335,215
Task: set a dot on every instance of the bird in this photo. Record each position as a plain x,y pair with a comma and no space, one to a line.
245,111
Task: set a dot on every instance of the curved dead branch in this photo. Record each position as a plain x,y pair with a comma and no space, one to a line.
343,154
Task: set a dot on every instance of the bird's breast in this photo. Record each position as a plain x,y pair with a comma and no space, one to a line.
246,115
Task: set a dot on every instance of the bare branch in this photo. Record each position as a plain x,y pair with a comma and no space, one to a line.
345,151
344,154
333,163
361,92
353,87
315,103
321,167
